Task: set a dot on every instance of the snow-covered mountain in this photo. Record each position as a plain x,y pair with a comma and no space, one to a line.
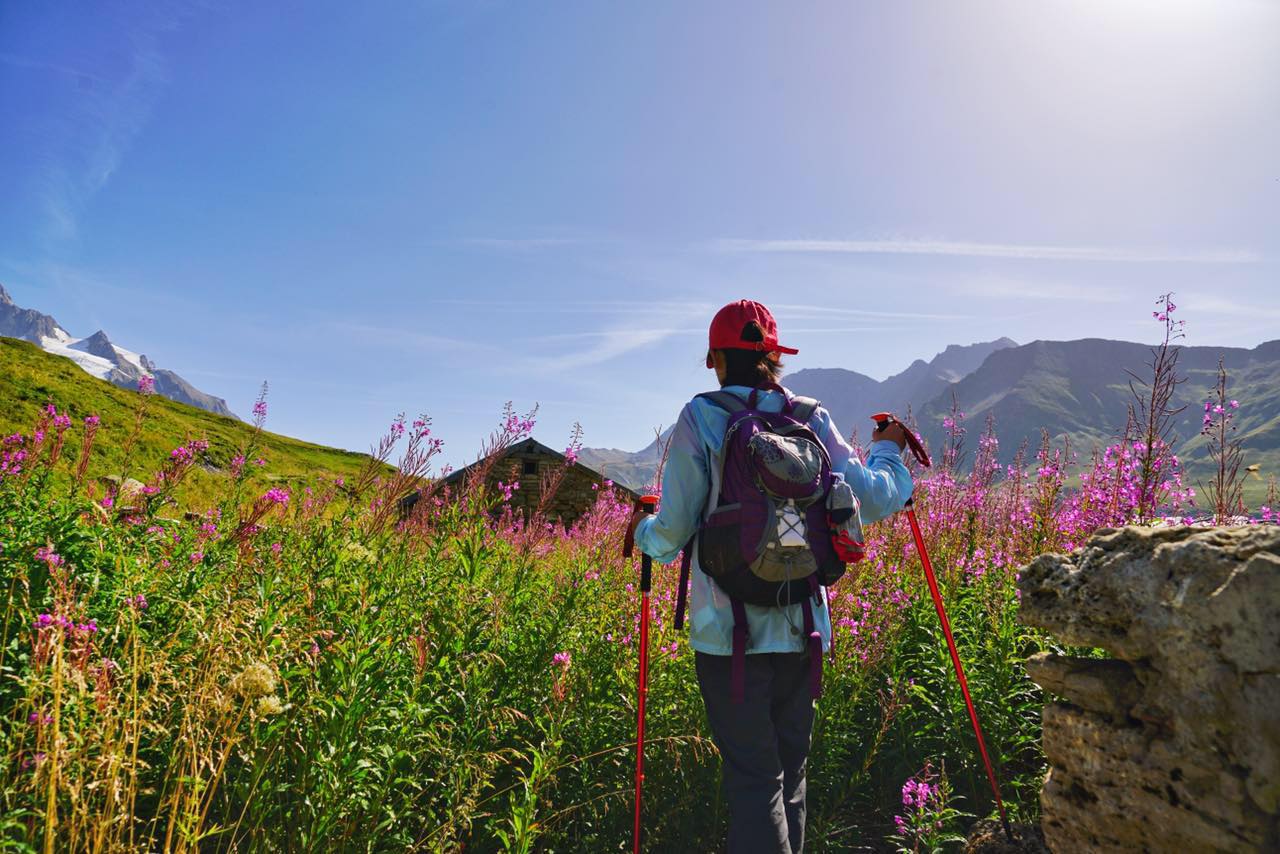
99,356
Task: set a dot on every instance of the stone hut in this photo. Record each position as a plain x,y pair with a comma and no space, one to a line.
1170,743
527,462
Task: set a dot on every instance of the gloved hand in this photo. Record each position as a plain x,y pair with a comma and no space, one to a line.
894,432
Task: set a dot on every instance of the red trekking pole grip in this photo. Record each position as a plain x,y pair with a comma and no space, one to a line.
884,419
647,504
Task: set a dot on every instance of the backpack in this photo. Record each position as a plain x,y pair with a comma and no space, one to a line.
779,523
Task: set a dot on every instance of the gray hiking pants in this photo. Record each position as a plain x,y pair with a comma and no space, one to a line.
764,742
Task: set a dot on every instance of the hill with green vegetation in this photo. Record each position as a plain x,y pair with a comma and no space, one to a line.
30,379
1078,391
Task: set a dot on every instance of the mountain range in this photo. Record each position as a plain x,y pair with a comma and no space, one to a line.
1077,391
99,356
848,395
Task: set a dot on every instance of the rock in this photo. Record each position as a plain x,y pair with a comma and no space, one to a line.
1106,686
988,837
127,491
1173,744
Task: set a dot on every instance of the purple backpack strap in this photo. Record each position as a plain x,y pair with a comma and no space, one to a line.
788,403
686,560
815,641
726,400
804,408
738,668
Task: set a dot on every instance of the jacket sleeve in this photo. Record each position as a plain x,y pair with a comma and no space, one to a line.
882,483
685,484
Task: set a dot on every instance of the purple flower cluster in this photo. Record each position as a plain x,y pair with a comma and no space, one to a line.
47,621
918,793
147,384
516,426
276,495
59,422
923,803
1216,415
48,556
12,455
1164,314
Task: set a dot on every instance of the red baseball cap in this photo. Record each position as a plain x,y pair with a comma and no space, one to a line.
727,326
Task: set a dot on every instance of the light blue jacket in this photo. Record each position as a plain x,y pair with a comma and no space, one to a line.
882,485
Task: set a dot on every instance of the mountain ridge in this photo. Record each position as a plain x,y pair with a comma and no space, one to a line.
98,356
848,395
1077,391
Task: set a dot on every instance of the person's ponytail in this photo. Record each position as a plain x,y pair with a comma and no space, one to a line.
750,368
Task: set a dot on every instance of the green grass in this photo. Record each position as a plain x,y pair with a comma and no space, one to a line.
324,679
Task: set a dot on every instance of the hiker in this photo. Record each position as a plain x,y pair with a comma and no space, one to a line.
759,683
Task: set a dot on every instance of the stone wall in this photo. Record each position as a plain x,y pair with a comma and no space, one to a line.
576,494
1173,742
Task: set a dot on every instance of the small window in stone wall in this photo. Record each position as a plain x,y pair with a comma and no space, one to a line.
530,467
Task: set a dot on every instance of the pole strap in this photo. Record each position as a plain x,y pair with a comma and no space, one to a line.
814,641
686,561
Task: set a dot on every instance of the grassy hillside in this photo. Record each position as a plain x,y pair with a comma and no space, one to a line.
31,378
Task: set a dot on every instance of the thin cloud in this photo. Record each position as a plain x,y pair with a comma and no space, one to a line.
1001,288
580,336
789,311
396,337
808,330
553,305
987,250
105,122
1228,308
41,65
521,244
616,344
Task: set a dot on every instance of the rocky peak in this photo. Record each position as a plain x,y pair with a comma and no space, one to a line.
25,323
100,345
90,353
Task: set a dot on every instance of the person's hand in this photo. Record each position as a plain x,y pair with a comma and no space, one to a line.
894,432
636,515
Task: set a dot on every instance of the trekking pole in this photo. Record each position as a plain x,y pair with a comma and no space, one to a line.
883,420
648,504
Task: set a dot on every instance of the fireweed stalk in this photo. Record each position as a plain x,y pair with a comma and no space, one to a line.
1152,421
1225,492
146,389
926,822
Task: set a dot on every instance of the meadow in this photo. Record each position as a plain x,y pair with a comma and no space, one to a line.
295,665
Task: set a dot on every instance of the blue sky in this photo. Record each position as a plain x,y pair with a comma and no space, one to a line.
440,206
